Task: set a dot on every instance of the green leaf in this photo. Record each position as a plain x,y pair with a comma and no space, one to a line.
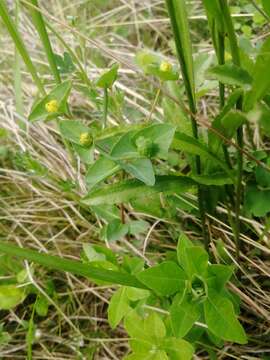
144,58
179,21
60,93
72,266
219,275
221,320
134,325
100,170
64,63
231,122
165,279
86,154
92,254
261,77
118,307
125,147
263,176
160,134
115,230
216,179
266,6
193,259
182,245
107,79
214,140
72,129
137,227
126,190
257,201
178,349
168,75
134,294
10,296
154,327
184,312
42,306
192,146
141,169
214,13
230,74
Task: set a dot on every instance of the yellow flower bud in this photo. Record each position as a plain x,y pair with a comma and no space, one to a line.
165,66
52,106
86,139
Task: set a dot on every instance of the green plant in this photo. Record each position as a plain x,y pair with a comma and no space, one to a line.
180,304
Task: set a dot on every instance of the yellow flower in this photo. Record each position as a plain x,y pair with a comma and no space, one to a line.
86,139
52,106
165,66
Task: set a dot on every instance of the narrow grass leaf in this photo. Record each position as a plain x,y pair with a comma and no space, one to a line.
16,37
72,266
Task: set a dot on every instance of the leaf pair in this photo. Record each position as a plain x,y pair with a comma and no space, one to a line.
149,340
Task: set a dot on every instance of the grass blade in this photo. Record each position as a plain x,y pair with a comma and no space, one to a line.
42,31
16,37
179,22
74,267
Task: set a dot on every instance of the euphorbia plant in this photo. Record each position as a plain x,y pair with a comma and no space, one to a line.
177,305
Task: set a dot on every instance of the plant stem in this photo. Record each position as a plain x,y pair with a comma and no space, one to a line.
17,72
179,23
105,107
236,60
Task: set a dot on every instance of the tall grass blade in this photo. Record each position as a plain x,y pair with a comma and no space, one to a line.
16,37
179,22
17,71
43,34
236,60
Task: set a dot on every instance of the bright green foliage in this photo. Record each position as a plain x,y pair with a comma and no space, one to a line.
220,317
129,189
118,307
261,77
184,313
149,340
107,79
165,279
266,6
59,94
231,75
100,170
10,296
72,130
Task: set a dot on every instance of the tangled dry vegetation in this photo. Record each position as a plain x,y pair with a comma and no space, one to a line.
38,211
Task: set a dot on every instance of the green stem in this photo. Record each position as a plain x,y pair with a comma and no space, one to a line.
17,72
105,107
16,37
236,60
72,266
42,31
178,18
